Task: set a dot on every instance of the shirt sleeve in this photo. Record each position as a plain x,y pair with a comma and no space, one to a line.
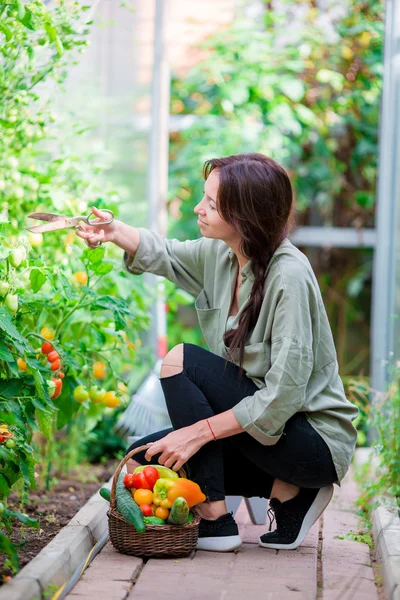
180,262
264,414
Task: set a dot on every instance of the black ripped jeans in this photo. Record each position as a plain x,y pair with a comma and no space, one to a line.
238,465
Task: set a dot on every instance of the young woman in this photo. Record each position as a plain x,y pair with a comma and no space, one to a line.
263,411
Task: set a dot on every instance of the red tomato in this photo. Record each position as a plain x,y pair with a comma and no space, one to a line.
62,375
151,475
128,480
140,481
47,348
53,356
146,510
57,389
1,438
55,365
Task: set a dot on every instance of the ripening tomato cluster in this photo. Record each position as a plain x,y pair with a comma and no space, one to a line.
55,384
141,484
96,395
7,437
14,259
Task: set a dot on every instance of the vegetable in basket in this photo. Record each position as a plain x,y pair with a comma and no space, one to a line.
166,491
165,473
179,512
127,507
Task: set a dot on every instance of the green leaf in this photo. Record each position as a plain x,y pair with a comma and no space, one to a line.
25,519
42,389
333,78
4,252
102,268
7,32
7,325
4,487
292,88
37,278
40,406
28,20
95,256
11,387
20,9
45,422
8,548
5,354
118,308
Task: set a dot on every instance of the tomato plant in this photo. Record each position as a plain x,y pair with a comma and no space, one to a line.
58,300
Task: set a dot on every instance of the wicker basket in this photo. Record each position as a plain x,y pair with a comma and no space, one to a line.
157,540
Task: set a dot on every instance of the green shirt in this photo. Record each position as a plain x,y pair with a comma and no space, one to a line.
290,354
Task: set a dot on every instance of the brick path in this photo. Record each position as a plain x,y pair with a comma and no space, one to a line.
322,568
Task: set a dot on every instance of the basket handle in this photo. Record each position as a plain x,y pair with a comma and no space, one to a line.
113,501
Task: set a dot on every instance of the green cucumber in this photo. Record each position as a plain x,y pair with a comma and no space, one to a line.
153,521
179,512
105,493
128,507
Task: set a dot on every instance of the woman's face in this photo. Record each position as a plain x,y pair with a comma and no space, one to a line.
211,224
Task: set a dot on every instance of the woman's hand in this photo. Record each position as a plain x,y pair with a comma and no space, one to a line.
98,233
177,447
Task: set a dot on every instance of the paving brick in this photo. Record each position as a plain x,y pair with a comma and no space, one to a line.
88,589
252,570
110,575
336,568
339,522
367,592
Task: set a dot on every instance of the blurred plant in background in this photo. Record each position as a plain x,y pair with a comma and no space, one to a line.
381,413
304,88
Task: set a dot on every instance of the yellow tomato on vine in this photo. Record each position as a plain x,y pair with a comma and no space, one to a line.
47,333
81,277
110,400
99,370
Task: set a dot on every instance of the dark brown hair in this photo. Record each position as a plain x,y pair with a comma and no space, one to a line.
255,197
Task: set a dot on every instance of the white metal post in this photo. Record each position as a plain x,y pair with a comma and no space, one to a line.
158,168
388,193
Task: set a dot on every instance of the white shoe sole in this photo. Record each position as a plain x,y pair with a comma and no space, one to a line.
316,509
219,544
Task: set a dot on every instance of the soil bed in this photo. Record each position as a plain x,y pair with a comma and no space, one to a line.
53,510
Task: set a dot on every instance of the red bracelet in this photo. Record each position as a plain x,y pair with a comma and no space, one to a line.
211,429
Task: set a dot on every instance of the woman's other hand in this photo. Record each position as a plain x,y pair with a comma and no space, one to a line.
96,234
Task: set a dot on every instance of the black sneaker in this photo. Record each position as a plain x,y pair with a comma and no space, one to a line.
294,518
221,535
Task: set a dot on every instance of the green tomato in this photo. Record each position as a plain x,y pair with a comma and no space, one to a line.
4,287
2,508
16,257
11,444
96,395
80,394
12,302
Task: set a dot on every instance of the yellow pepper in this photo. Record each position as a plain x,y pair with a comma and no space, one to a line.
166,491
